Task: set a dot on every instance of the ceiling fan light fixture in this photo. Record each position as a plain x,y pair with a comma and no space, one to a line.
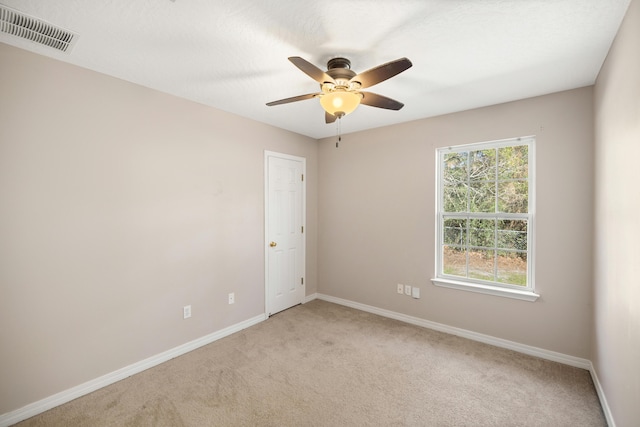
340,102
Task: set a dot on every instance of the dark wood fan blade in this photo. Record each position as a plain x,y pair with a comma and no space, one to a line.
293,99
375,100
382,72
311,70
329,118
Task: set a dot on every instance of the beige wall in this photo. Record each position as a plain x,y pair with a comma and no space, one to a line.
118,206
377,220
616,342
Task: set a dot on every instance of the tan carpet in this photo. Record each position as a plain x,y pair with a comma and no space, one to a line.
322,364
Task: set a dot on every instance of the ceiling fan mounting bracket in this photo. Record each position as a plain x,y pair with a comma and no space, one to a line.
340,69
338,62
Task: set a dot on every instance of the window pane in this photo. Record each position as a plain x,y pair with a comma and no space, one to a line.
513,197
482,232
482,197
481,264
455,168
513,162
484,212
512,268
483,165
455,198
512,234
454,261
455,231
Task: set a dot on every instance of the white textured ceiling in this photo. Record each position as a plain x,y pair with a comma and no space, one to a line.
232,54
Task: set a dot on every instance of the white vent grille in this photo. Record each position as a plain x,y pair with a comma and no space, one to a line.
24,26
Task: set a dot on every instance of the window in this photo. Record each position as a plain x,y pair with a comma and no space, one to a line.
485,218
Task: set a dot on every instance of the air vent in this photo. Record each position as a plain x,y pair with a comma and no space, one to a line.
27,27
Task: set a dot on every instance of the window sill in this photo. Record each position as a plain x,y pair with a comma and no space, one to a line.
486,289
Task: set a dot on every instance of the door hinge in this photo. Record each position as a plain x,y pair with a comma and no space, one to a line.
303,177
302,280
302,229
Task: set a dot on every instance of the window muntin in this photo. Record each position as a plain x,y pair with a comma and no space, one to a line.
485,214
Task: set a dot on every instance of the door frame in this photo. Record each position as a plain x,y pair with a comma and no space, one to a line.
268,154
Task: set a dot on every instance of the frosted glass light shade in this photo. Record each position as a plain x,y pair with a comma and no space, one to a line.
340,102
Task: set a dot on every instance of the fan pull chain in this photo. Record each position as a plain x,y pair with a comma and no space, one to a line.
339,128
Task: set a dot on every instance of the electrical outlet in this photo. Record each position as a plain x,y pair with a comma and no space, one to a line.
400,288
407,289
232,298
415,292
186,311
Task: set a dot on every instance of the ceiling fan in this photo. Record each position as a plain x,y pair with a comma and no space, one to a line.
340,86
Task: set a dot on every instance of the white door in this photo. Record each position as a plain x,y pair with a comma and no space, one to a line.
284,231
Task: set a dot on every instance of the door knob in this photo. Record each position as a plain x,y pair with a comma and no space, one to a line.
273,244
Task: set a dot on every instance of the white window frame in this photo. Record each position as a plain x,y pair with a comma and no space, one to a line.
527,292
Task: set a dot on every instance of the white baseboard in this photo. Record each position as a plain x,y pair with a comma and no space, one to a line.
73,393
487,339
311,297
603,400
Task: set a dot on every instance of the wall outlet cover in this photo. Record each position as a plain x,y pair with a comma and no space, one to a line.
407,289
400,288
415,292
